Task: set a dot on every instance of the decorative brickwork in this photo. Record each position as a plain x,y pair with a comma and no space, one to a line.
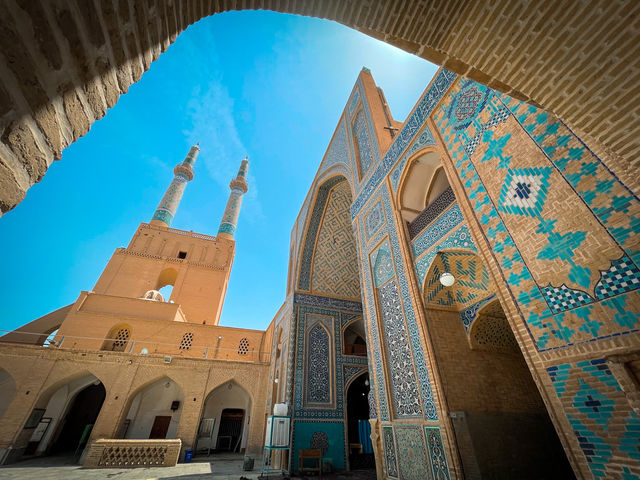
501,172
334,266
600,416
133,453
471,280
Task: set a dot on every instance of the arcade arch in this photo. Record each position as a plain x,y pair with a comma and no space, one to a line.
354,338
154,412
64,415
226,414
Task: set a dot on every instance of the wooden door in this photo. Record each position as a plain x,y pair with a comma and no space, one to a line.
160,427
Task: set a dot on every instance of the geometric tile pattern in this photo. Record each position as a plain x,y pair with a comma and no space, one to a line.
436,230
382,264
332,320
377,371
318,378
564,298
590,395
609,200
363,144
374,220
171,200
554,316
351,371
403,379
493,334
353,102
458,239
431,212
467,104
471,280
439,467
338,151
413,456
312,230
335,267
373,409
389,452
524,191
623,276
469,314
439,85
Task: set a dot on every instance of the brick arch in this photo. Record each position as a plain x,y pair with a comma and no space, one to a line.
66,63
231,380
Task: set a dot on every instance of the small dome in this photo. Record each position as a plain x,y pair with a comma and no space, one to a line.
153,295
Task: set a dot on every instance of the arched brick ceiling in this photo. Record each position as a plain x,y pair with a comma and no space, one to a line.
63,63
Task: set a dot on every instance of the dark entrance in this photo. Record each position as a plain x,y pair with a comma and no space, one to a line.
160,427
230,431
358,427
79,419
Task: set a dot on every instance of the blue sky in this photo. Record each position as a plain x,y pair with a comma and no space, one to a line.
267,85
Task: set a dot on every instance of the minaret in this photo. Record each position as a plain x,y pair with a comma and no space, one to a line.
238,188
183,173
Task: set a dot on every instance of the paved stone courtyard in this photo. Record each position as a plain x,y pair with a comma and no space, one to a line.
219,467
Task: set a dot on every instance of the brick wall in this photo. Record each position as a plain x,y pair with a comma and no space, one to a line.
65,63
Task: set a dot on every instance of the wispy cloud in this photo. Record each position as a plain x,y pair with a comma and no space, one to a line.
213,120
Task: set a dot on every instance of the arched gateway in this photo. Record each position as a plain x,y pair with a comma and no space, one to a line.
484,233
66,63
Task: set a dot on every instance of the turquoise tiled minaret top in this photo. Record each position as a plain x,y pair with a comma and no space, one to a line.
238,188
183,173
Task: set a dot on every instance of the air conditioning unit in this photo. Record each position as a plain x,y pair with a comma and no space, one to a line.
277,431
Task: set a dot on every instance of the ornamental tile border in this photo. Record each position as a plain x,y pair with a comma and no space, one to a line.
374,345
326,302
390,459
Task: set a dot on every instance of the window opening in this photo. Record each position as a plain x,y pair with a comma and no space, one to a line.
243,348
187,339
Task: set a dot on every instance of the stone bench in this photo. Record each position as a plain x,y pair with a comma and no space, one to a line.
105,453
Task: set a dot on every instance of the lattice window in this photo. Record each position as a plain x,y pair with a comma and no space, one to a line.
187,339
243,348
119,340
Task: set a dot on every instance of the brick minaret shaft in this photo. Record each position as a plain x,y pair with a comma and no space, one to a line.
238,188
168,206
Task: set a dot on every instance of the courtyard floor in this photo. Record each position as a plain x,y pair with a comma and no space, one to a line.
217,467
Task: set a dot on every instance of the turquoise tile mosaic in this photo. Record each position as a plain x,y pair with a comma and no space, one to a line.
439,467
413,462
548,309
595,404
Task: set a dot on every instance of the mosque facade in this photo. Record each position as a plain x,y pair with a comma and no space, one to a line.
462,292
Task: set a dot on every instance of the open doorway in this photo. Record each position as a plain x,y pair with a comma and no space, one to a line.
154,412
63,418
360,449
224,425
